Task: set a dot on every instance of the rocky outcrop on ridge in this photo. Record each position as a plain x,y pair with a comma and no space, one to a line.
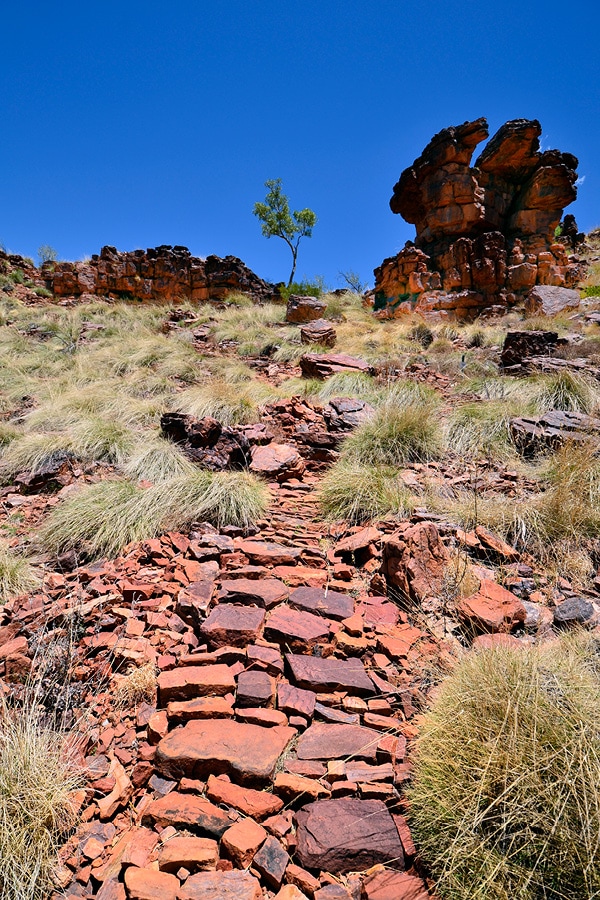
485,233
163,273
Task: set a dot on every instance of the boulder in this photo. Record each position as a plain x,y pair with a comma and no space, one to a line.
492,608
318,332
518,345
319,675
301,309
323,365
347,836
415,560
278,462
205,747
551,299
233,885
538,434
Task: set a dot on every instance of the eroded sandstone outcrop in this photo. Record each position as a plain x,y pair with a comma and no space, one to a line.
485,233
162,273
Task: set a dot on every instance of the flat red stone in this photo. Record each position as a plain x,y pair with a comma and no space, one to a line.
318,600
325,741
325,675
187,682
235,885
221,746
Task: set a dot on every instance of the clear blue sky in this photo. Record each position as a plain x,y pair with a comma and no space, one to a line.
136,124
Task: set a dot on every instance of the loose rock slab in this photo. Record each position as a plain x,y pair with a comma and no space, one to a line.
325,741
347,836
314,673
329,603
233,885
222,747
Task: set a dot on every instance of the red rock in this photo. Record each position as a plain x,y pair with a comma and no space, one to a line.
347,835
279,462
292,626
200,708
299,877
415,561
140,848
255,689
158,726
121,793
332,892
302,575
495,543
233,625
398,641
294,700
388,885
295,787
148,884
314,673
242,840
325,741
268,718
234,885
269,554
302,309
290,892
187,682
271,862
264,592
220,746
257,804
332,604
492,608
193,853
358,541
187,811
322,365
497,639
549,300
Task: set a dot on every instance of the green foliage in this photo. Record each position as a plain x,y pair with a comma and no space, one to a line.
357,493
46,253
305,288
277,220
505,798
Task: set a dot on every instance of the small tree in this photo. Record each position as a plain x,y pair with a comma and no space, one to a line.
46,253
277,221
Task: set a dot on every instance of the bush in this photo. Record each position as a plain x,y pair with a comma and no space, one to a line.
566,391
16,574
356,493
304,288
505,799
101,519
395,435
37,780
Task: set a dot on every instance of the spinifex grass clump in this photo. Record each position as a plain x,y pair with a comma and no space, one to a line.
37,780
102,518
396,434
356,492
505,800
16,573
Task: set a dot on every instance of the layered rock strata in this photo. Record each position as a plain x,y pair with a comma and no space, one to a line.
485,233
162,273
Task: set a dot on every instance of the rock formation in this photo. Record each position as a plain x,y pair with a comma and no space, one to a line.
162,273
485,233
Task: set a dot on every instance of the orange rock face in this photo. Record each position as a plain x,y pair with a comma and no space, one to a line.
485,233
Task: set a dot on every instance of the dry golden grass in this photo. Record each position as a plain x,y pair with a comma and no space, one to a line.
357,492
505,799
137,686
38,777
17,575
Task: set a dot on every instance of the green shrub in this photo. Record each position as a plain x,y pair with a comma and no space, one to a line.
356,493
305,288
505,798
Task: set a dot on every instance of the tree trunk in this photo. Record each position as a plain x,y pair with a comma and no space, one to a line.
293,272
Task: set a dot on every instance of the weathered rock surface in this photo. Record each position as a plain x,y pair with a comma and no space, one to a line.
318,332
322,365
220,746
317,674
347,835
415,561
538,434
485,233
161,273
235,885
550,299
301,309
279,462
519,345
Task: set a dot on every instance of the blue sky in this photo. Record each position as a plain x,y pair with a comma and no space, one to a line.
136,124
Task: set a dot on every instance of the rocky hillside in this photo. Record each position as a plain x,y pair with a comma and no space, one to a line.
244,543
